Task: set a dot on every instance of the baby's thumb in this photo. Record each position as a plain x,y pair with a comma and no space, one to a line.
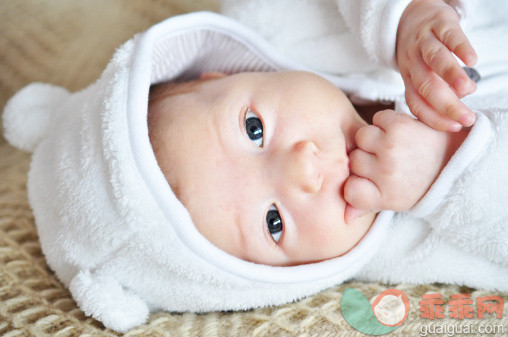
361,195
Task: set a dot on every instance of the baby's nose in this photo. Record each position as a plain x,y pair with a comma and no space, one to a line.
303,167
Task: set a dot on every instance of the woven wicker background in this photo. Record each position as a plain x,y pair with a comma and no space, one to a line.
68,43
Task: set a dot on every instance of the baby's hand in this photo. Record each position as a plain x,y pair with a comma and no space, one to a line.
397,160
428,34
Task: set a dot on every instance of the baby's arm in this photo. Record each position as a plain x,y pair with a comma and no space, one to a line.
397,160
427,37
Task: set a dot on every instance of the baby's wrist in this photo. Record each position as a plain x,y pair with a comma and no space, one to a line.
453,140
447,144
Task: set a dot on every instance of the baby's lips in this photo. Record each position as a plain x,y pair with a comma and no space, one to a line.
350,148
351,213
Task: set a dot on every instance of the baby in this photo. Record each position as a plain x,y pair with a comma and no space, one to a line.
253,189
260,161
300,130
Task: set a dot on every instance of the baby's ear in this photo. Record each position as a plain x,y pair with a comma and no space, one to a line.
28,114
212,75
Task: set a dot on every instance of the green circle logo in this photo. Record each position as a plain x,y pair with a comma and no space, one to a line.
386,313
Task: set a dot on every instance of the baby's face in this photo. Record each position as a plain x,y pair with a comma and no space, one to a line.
259,160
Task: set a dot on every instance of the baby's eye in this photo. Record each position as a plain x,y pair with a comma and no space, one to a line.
274,223
254,128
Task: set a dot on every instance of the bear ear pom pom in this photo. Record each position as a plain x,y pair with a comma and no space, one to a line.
29,113
103,298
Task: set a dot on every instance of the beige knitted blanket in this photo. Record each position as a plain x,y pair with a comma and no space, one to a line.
68,43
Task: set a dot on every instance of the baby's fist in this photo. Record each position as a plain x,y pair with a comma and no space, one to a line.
396,161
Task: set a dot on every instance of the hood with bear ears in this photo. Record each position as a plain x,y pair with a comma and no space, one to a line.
109,224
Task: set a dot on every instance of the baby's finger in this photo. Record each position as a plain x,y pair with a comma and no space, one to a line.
363,164
426,114
455,39
441,60
362,193
439,95
384,119
368,138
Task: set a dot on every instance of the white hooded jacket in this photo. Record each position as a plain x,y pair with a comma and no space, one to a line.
109,224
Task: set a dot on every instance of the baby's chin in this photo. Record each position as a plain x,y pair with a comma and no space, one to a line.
360,227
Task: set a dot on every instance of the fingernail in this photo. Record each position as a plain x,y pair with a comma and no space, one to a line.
470,60
455,127
460,85
463,86
472,87
467,119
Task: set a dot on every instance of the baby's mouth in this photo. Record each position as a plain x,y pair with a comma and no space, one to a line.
350,212
350,148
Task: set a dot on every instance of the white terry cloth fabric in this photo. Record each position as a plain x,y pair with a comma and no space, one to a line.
351,39
109,225
356,39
